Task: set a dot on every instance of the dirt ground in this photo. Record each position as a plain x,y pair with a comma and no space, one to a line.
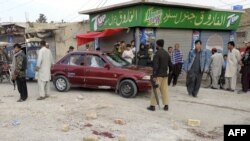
63,116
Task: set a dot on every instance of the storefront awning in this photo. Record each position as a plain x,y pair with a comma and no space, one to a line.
90,36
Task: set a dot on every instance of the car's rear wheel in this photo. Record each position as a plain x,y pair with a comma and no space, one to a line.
127,88
61,83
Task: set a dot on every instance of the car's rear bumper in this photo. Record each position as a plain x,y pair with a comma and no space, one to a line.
143,85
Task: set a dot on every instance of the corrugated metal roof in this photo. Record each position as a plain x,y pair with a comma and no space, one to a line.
149,2
21,24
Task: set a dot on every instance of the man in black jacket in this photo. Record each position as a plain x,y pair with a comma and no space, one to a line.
161,63
19,66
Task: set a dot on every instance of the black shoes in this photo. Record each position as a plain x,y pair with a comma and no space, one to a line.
20,100
195,96
165,108
230,90
213,88
151,108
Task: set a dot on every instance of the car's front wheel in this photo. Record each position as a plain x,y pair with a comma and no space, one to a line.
127,88
61,83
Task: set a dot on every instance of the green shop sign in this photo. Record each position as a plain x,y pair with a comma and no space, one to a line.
165,17
127,17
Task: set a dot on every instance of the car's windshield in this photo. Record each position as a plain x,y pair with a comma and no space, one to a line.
117,60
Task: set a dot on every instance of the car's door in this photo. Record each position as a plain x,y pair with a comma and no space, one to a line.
75,69
96,74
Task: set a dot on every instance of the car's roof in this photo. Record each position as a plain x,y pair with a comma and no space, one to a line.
89,52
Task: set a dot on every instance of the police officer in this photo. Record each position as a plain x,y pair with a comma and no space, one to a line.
161,63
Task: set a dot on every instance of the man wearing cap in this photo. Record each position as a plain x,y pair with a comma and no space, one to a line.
19,66
71,49
216,64
161,63
197,63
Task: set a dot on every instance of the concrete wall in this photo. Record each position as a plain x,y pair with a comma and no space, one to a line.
243,32
65,36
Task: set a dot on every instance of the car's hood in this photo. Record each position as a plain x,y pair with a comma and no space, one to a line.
147,70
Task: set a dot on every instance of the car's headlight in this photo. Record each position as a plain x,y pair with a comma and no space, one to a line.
146,77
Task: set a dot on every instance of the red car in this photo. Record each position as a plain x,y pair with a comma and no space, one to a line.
100,71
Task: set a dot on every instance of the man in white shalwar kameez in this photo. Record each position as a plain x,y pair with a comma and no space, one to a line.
44,63
233,61
216,63
128,54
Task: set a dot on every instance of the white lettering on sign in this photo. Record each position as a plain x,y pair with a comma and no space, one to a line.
98,21
153,17
232,19
236,132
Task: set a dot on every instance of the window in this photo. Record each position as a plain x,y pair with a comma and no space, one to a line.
74,60
117,60
95,61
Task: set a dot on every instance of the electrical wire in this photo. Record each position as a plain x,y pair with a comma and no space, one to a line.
104,3
82,8
18,6
99,4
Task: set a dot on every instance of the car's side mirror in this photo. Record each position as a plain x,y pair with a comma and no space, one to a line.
107,66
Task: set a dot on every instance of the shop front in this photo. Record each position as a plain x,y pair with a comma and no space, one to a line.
145,22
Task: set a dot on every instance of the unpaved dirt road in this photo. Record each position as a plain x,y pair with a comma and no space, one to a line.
45,120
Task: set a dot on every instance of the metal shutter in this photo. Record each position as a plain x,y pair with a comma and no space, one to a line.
173,36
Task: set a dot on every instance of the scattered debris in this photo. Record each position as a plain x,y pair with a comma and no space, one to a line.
217,132
104,106
120,121
5,125
15,123
88,125
194,122
201,134
91,115
65,128
121,138
90,138
80,97
176,126
104,134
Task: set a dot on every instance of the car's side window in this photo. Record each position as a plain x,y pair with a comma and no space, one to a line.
95,61
76,60
65,61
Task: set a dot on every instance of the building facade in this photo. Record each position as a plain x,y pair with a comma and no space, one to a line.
243,32
148,21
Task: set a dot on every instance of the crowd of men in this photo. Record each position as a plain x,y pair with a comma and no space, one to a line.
167,65
142,57
198,62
